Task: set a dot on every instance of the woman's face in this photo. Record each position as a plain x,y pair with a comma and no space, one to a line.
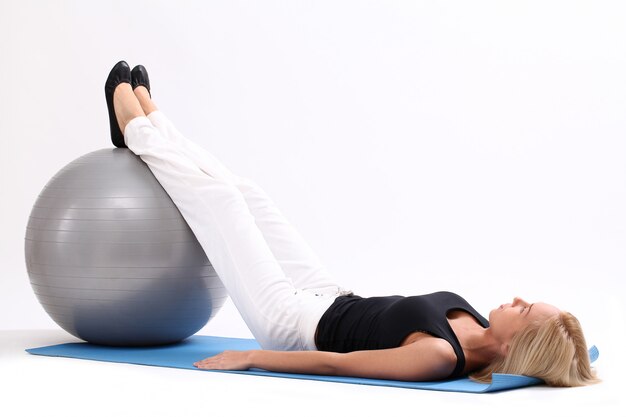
506,320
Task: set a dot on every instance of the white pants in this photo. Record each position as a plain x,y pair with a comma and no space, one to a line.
274,278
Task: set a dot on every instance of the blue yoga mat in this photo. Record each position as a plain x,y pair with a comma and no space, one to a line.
184,354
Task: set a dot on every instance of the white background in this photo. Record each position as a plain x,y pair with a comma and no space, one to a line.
477,147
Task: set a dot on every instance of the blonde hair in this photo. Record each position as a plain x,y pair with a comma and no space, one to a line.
554,351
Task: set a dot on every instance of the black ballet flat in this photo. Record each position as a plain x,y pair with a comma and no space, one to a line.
119,74
139,75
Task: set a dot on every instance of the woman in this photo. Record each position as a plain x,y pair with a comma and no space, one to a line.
302,319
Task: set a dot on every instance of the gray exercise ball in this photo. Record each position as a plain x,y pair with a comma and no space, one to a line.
111,259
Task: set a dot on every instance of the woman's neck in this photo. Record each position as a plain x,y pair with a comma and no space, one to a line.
478,345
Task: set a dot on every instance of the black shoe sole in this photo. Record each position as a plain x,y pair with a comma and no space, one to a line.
119,74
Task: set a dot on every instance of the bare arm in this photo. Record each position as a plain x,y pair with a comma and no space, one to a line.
425,360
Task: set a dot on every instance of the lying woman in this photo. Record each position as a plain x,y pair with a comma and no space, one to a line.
303,320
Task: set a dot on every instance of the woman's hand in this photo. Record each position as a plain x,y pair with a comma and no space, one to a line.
231,360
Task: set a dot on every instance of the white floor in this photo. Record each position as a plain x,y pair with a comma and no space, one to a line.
35,385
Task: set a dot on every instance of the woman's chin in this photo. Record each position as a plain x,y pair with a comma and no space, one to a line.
492,313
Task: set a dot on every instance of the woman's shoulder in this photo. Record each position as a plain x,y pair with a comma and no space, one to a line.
439,351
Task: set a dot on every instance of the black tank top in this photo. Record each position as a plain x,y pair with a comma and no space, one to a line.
356,323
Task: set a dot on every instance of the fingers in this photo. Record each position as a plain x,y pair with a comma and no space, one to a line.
227,360
208,363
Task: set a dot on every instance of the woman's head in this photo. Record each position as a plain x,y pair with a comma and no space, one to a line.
509,319
539,340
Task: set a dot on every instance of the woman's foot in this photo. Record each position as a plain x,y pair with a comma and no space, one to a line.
141,88
126,105
139,76
120,75
143,95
